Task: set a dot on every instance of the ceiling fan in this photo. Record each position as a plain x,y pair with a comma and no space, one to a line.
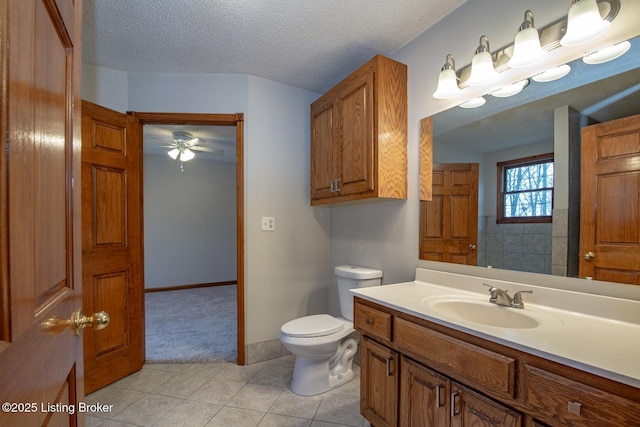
183,146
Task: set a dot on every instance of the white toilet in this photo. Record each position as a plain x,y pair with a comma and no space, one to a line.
322,344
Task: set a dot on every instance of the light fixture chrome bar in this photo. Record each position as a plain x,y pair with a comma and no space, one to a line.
549,40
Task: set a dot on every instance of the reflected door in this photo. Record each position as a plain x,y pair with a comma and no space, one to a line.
449,222
610,201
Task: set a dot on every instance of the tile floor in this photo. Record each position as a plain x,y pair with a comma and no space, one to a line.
223,394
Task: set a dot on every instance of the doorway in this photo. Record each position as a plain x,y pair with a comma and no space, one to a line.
206,127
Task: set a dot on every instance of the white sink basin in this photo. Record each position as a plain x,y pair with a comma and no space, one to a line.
482,312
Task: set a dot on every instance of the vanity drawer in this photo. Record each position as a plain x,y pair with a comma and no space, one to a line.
372,321
486,369
575,404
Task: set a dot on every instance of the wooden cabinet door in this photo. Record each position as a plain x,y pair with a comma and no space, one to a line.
379,383
449,221
40,254
470,409
324,149
357,145
610,201
424,395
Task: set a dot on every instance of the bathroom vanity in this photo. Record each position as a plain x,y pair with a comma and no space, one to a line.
443,355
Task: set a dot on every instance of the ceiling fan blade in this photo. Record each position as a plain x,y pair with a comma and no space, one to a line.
214,151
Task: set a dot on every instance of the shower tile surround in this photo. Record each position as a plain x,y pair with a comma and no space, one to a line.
223,394
522,247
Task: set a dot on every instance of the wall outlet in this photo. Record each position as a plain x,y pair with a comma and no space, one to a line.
268,223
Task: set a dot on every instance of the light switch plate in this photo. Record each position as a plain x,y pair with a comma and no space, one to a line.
268,223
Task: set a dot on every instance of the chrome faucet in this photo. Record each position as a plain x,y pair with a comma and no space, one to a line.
500,297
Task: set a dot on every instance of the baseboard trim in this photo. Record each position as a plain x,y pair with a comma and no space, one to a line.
194,286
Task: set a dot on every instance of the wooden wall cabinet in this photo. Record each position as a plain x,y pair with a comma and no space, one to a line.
417,373
359,136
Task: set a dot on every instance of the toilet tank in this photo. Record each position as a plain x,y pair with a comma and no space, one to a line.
349,277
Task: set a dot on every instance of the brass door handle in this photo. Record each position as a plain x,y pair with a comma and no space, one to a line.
76,322
472,247
589,256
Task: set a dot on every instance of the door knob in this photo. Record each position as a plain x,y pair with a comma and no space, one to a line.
589,256
472,247
77,322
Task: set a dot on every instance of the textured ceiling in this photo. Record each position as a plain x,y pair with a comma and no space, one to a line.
310,44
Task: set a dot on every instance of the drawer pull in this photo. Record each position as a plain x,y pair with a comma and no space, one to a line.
368,321
454,398
439,401
574,408
389,371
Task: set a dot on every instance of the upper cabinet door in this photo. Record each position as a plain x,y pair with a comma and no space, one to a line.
359,149
324,150
356,161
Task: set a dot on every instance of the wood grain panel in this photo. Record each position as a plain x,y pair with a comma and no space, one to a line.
448,354
111,138
323,150
574,404
107,291
50,142
379,389
109,206
372,321
618,203
435,226
424,396
618,145
426,158
472,409
460,213
356,154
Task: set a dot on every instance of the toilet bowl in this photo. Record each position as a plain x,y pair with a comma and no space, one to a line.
324,345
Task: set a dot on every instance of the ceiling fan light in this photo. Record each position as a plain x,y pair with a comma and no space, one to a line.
174,153
607,54
584,23
526,48
186,155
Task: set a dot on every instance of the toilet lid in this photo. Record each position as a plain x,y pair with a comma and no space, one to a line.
312,326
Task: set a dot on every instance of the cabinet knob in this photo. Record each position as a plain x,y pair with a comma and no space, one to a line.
368,321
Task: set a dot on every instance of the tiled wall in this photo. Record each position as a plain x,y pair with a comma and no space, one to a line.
522,247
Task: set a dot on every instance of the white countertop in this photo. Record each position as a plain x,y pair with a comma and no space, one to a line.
593,333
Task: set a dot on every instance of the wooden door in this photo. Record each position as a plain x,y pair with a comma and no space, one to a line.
40,282
470,409
424,395
610,201
356,153
378,383
449,221
112,261
324,151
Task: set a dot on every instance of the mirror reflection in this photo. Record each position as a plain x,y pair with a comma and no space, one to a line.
522,133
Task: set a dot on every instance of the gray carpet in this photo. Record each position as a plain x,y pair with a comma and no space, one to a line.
191,325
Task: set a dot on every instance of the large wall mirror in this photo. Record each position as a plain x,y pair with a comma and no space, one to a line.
544,119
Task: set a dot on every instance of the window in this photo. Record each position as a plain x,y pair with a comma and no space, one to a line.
525,190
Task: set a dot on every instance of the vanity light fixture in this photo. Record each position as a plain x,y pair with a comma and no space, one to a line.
607,54
473,103
552,74
447,80
482,71
584,23
526,48
510,90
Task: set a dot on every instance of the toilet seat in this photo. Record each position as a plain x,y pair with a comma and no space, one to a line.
317,325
